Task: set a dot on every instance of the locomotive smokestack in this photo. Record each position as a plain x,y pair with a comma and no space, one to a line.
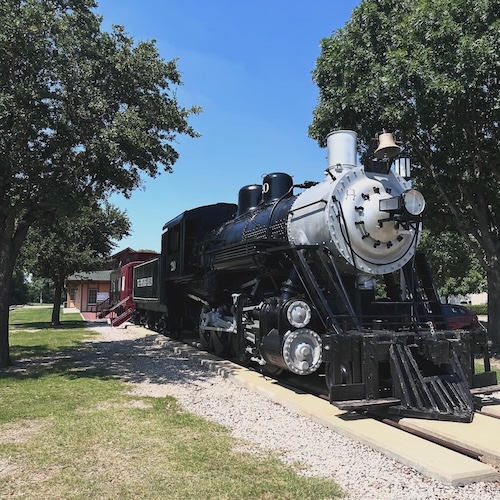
342,148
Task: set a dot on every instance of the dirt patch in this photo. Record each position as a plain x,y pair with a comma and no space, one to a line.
5,467
136,403
21,431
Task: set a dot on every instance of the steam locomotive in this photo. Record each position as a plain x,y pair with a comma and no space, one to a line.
320,279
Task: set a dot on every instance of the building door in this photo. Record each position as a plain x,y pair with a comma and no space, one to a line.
72,297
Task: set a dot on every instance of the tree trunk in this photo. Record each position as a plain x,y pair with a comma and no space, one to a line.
493,304
12,235
56,310
5,293
6,268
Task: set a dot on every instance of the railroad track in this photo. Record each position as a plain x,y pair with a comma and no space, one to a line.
454,453
479,439
493,411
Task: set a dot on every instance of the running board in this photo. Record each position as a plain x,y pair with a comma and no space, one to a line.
444,395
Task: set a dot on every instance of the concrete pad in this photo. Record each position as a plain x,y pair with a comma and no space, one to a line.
493,410
482,435
430,459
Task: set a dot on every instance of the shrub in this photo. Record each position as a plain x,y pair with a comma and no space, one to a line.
478,308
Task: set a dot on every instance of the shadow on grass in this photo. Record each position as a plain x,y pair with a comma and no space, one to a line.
31,351
47,325
59,366
136,361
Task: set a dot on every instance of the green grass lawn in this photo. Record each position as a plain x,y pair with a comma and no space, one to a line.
71,432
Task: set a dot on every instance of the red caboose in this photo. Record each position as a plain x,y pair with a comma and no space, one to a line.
121,306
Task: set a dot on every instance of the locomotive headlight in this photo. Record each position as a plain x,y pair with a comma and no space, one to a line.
298,313
413,201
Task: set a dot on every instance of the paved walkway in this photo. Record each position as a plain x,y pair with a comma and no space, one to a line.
87,316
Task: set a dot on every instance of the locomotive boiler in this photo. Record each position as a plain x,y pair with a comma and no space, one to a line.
320,279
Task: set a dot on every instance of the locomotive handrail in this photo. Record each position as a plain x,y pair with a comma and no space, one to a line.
308,205
262,243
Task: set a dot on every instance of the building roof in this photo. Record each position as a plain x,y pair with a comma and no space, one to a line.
90,276
122,252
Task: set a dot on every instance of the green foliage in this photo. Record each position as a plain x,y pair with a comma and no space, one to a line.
40,290
83,113
480,309
60,246
27,289
82,241
20,289
454,266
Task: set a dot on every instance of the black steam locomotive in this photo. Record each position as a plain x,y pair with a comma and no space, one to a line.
327,282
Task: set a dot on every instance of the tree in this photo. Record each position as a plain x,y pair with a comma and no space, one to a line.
83,113
20,290
39,289
455,272
428,70
60,246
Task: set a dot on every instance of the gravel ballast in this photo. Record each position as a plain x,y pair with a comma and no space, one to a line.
261,425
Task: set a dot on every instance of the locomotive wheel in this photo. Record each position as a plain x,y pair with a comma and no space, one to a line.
162,325
331,379
205,340
271,370
150,321
221,343
242,358
175,327
136,318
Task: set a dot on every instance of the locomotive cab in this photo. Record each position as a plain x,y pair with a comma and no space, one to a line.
182,235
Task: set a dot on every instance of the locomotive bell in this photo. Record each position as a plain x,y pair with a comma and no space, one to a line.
387,147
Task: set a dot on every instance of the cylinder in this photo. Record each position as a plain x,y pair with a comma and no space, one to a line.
342,148
298,351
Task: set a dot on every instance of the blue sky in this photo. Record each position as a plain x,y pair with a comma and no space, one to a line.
248,65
